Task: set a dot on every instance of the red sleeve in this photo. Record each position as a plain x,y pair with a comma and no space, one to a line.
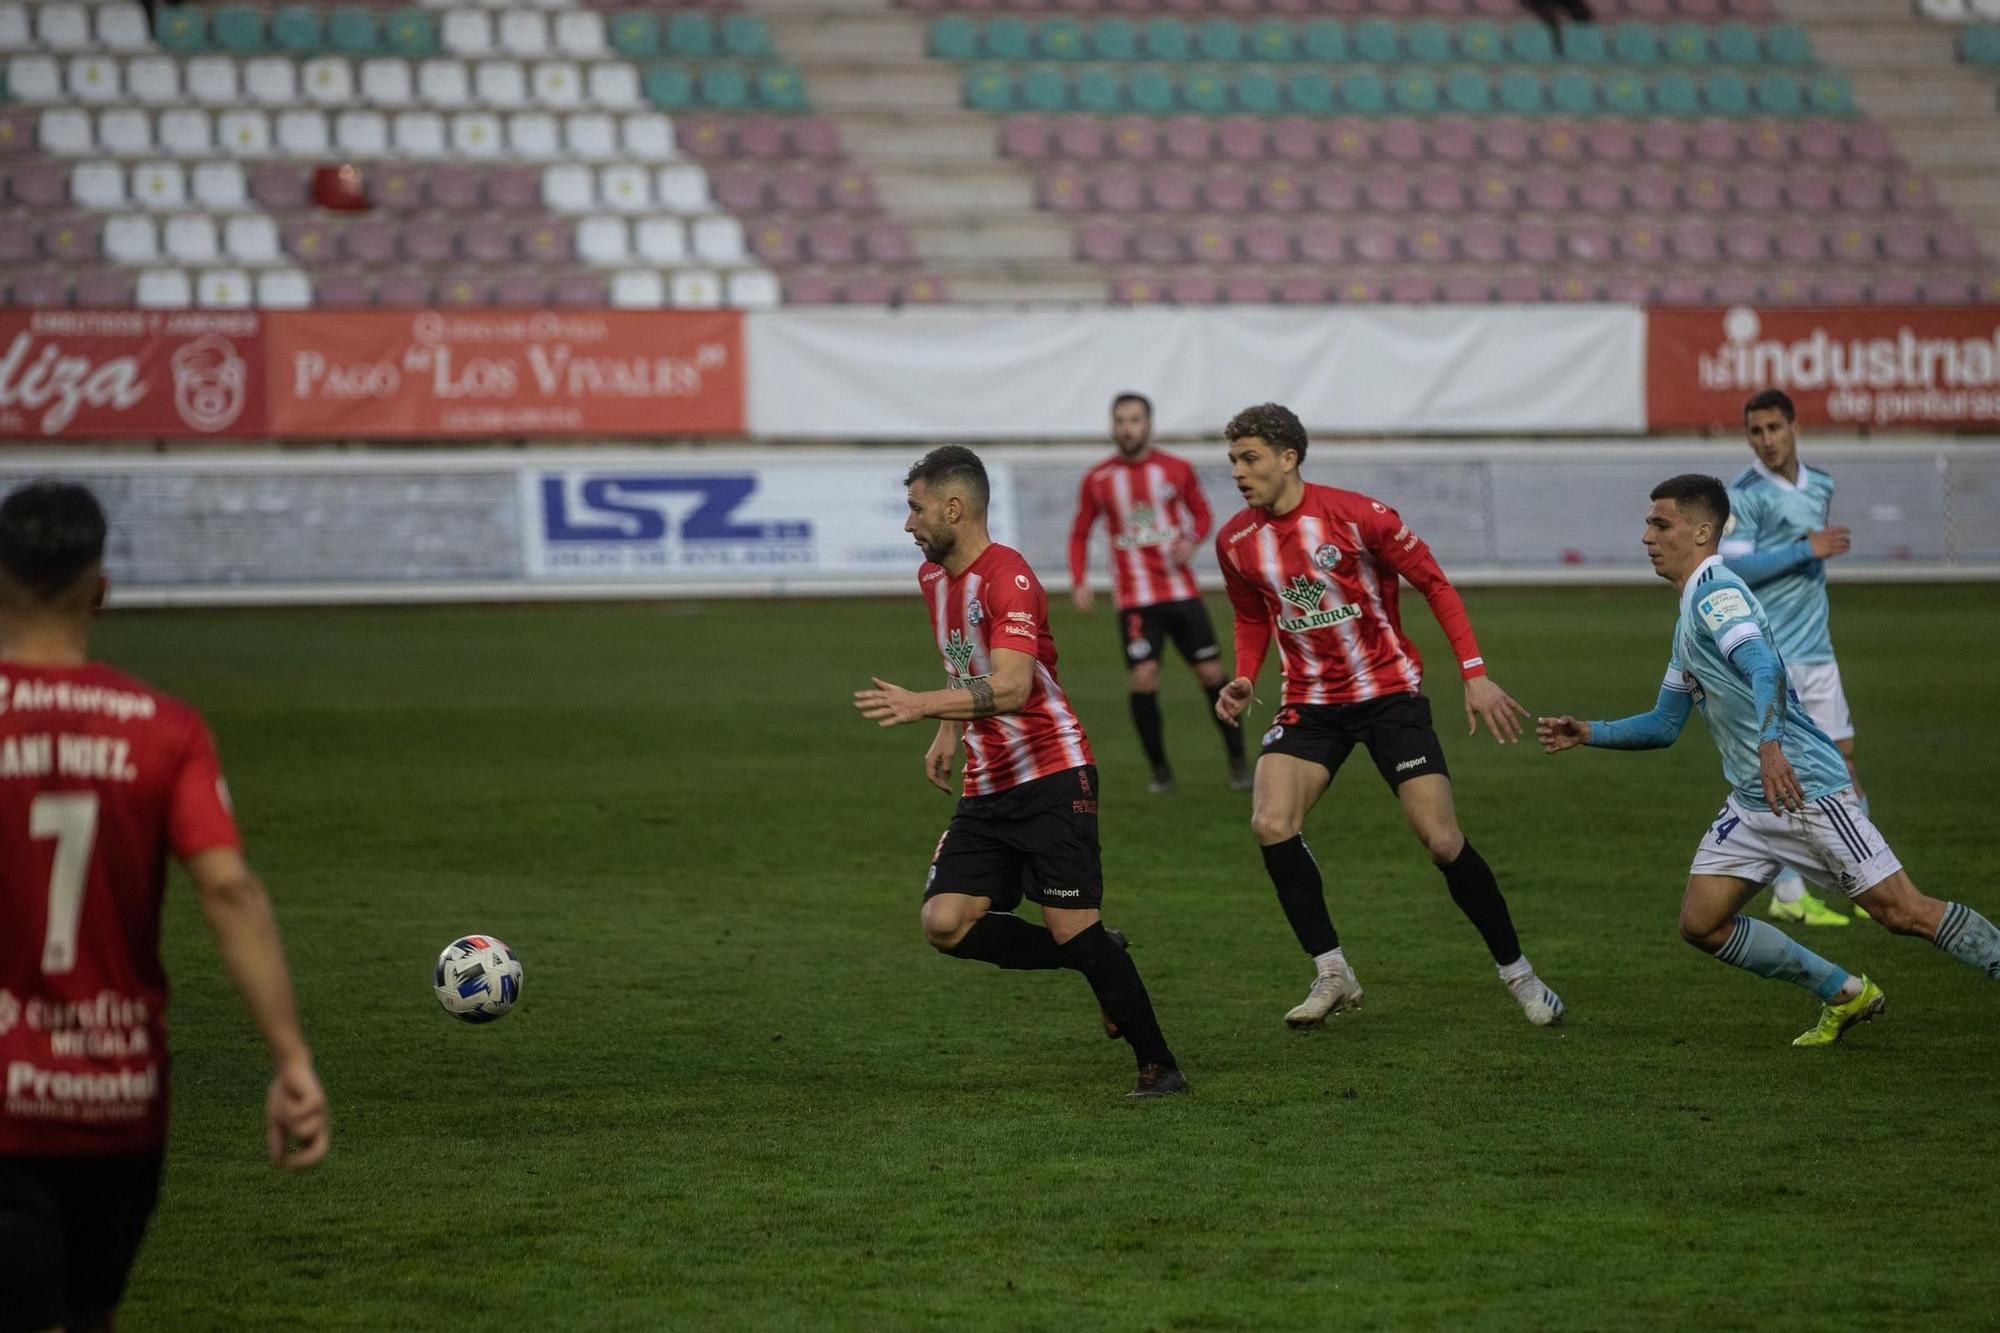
1197,503
198,818
1087,510
1253,617
1017,610
1392,542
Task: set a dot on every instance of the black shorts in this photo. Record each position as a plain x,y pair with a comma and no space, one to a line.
1144,630
1037,840
1396,729
69,1230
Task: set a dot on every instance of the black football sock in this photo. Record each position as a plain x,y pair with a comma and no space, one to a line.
1295,875
1005,940
1114,979
1232,737
1477,894
1146,716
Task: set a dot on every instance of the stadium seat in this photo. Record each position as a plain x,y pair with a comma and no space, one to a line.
351,30
523,33
412,33
1414,90
1377,41
1272,41
1788,45
467,33
1469,92
1310,93
184,132
670,87
191,238
1481,42
1778,94
1114,39
92,79
122,27
327,81
647,136
1220,40
272,80
1429,42
1528,42
555,84
361,134
1008,39
163,289
1687,44
1521,93
1324,41
1737,44
1150,91
591,136
303,134
1166,39
1725,94
1362,93
66,132
1573,92
418,134
1636,44
238,29
1980,45
501,84
387,83
1830,95
635,34
177,28
660,240
1257,91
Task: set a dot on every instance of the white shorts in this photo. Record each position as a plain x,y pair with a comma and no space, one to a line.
1818,686
1830,842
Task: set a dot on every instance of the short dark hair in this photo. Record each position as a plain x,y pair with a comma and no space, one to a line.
1129,397
1771,400
950,463
1693,490
1276,426
51,535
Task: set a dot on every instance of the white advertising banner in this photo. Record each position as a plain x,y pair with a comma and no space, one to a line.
942,373
751,521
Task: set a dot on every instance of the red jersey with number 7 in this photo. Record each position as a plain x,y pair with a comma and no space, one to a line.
1148,505
101,778
997,602
1324,578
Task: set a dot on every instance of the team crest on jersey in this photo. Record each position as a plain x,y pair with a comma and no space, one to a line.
958,652
1327,556
1273,736
974,612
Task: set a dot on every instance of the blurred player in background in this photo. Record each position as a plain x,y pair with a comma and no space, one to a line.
1320,567
1157,516
1026,825
1778,541
1791,802
101,779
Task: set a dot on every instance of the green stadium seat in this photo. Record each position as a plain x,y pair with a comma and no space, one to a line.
1414,90
1468,92
1377,41
1310,93
1045,88
1979,44
1529,43
1480,41
1788,45
1586,44
1272,40
1166,39
411,32
745,37
1114,39
723,88
1257,92
1636,44
1830,95
690,33
295,30
1219,39
1675,94
1779,94
669,87
1725,94
1687,44
351,31
1205,92
1363,93
1521,93
1008,39
780,88
1325,41
180,29
1150,91
1625,95
1098,90
1428,41
1061,39
1736,44
987,88
952,37
1573,92
635,34
238,29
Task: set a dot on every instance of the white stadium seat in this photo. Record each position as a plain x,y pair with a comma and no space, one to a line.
125,132
580,33
34,79
99,185
648,136
624,188
284,289
303,133
327,80
533,135
467,32
243,132
477,134
501,84
63,27
387,83
614,85
590,135
251,238
638,289
221,186
361,133
568,189
660,240
271,81
558,85
164,289
445,84
190,238
719,239
14,34
123,27
186,132
155,80
94,79
524,33
160,186
225,289
754,289
418,133
212,81
131,238
65,132
683,188
602,240
695,289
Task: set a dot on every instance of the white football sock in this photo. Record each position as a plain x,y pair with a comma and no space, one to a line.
1521,979
1788,887
1332,963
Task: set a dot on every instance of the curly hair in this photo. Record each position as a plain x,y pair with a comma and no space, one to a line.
1276,426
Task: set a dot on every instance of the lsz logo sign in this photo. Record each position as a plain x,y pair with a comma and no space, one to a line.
663,523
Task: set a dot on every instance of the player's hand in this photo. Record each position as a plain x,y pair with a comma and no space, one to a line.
1781,784
890,705
1182,551
1561,733
937,763
1083,597
1488,703
296,1128
1235,697
1829,542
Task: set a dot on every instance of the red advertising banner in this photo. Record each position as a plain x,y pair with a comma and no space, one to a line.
1883,367
78,374
443,373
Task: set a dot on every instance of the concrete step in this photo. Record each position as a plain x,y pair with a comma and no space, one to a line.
915,88
1899,97
849,38
1872,47
995,240
909,138
822,8
1003,290
955,196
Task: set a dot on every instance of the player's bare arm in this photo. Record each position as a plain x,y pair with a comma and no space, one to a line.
1006,690
1561,733
1487,702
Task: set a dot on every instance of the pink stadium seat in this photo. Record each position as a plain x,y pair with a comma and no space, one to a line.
762,137
1173,190
512,190
1801,243
1025,137
1786,289
1193,289
1719,142
104,289
774,242
1428,245
1746,242
1065,191
923,290
41,288
1377,241
38,185
1295,139
1694,241
1210,243
577,290
369,241
1612,141
1359,287
1559,141
1547,192
465,288
1494,192
1137,290
1862,191
1537,242
1957,243
76,239
426,241
1483,242
1246,291
340,290
1442,191
1189,138
1388,190
1508,140
1809,192
1894,289
1870,142
742,189
1411,289
796,189
1707,192
547,240
17,243
1135,138
831,242
1913,191
1654,190
1082,138
1664,141
1402,140
1267,243
1158,244
1101,242
455,189
1120,190
1938,287
1838,287
1335,192
868,289
1320,242
1280,190
1350,140
1906,242
486,240
1466,287
398,189
1302,289
887,243
1588,242
1241,139
1521,288
1680,288
1454,140
1769,142
520,290
1226,191
1850,242
1757,192
706,138
1735,287
851,189
1570,286
1640,242
1600,192
17,131
1629,288
1821,143
400,290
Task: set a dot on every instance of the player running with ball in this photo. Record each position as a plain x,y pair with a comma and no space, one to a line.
1792,803
1319,567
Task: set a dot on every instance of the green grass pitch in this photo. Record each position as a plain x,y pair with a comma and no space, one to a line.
741,1093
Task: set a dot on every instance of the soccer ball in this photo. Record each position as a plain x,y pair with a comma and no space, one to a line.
478,979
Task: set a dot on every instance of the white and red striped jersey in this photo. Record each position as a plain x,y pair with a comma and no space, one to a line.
1149,504
997,602
1324,577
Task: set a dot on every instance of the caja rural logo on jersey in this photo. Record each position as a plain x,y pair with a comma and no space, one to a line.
1146,529
958,652
1307,594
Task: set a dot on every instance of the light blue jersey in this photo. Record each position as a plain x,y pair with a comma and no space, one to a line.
1722,636
1766,544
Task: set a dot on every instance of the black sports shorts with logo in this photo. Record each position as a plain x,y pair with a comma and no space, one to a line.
69,1230
1144,631
1396,728
1037,840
